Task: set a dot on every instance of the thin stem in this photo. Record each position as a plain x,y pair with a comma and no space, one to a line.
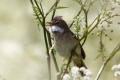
82,6
54,11
76,16
91,3
48,56
49,37
93,22
109,18
98,21
69,61
45,37
57,1
53,55
114,52
39,8
86,25
101,45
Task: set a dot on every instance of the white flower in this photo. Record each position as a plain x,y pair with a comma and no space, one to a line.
66,77
82,69
116,67
75,73
86,78
117,73
86,72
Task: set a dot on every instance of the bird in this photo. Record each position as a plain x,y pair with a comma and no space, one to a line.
65,41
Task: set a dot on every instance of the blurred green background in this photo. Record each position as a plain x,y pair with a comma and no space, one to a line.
22,50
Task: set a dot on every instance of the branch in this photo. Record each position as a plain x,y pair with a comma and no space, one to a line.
54,11
69,61
49,37
98,21
51,51
76,17
55,4
109,18
114,52
48,55
86,25
82,6
39,8
45,37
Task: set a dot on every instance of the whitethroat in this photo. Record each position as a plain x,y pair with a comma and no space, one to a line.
65,41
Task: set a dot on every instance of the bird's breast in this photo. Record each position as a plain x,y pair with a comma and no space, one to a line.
64,45
64,49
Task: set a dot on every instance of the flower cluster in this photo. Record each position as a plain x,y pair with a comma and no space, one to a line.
116,68
86,72
115,3
75,74
66,77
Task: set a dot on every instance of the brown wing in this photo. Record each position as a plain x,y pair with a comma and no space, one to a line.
82,50
83,53
68,30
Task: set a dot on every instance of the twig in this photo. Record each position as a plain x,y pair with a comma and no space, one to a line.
91,3
39,8
98,21
54,11
57,1
45,30
49,37
109,18
53,55
76,17
101,45
69,61
82,7
45,37
114,52
86,25
93,22
48,55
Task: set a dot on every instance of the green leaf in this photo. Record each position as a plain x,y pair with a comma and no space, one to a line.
98,56
59,7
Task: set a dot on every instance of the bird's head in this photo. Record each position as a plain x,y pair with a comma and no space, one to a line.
57,26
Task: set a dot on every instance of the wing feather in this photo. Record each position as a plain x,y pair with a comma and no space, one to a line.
82,50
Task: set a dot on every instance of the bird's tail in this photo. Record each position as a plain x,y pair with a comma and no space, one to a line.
79,63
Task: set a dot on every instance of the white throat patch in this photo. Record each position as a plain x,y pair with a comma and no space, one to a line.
55,28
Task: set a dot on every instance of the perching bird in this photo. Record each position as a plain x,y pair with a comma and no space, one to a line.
65,41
